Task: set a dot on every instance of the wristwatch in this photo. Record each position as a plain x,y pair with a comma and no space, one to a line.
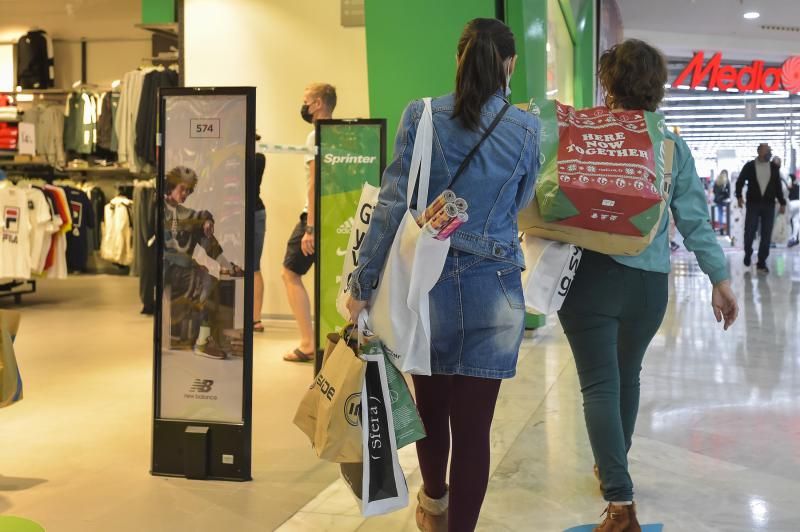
309,229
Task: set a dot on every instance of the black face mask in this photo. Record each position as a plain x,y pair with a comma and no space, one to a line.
308,117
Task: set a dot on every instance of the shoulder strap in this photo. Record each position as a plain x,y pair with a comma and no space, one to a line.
669,155
474,150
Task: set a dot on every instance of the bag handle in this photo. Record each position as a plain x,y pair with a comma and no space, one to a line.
420,169
419,173
474,150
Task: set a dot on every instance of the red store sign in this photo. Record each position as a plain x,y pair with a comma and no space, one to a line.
750,78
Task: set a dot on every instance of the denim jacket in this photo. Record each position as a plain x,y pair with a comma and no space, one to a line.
497,183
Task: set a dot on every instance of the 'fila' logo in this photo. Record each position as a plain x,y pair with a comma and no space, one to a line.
11,215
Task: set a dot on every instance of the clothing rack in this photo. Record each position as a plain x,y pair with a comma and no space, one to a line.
17,289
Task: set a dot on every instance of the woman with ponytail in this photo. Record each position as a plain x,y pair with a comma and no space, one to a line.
487,152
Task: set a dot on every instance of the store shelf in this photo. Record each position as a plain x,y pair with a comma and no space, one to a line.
170,30
20,164
97,170
38,91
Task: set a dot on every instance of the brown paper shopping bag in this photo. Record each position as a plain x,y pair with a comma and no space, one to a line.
10,380
329,413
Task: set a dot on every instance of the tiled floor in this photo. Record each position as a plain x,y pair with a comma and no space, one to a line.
75,453
717,446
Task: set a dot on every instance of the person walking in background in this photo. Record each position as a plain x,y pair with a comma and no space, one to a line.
722,200
616,304
794,210
764,187
319,101
258,241
477,309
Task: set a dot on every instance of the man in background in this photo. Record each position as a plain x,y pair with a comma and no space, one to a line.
763,189
319,101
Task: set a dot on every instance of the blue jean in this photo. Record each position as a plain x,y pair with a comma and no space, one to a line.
722,210
258,238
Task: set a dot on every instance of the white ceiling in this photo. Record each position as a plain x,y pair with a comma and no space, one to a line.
679,27
72,19
712,17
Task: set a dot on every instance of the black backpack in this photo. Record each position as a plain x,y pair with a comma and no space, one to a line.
35,61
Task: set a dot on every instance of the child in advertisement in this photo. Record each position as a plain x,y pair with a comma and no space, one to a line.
194,263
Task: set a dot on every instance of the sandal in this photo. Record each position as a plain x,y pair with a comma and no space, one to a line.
298,356
258,326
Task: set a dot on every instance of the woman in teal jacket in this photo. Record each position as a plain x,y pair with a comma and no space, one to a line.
617,304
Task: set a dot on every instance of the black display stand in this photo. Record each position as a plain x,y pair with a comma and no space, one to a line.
198,449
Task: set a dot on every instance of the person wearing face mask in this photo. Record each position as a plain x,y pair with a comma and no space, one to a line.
319,101
764,187
487,152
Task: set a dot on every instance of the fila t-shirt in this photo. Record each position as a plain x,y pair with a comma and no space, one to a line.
40,218
15,251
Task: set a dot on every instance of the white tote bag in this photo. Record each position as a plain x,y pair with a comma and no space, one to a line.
360,224
551,268
781,230
399,311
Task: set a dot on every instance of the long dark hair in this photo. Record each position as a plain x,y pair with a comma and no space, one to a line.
484,45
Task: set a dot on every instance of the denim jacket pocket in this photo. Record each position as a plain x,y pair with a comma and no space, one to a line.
511,282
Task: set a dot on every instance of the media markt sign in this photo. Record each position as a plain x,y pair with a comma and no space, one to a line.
349,154
754,77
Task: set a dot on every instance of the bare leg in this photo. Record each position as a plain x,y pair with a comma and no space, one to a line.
301,308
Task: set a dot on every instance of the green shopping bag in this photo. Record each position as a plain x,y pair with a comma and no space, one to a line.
408,426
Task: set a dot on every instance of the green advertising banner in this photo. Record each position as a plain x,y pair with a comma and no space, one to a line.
349,154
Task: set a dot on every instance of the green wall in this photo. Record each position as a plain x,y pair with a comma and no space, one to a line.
411,51
528,21
586,36
158,11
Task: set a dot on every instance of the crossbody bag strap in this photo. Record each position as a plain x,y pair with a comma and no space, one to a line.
474,150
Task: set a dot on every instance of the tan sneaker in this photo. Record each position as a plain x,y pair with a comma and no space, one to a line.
432,513
619,519
210,350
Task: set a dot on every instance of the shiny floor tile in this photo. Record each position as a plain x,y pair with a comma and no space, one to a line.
716,446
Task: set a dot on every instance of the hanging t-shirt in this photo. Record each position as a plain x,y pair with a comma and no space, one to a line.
42,227
15,250
78,244
56,263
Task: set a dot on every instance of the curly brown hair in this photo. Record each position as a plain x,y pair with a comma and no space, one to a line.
633,75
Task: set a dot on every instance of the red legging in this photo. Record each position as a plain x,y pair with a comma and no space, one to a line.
465,406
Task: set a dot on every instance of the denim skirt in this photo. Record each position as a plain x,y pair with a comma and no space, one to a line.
477,317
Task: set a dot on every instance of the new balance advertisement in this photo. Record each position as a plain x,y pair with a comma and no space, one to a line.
349,154
203,295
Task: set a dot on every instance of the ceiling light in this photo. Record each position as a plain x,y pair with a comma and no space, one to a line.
750,15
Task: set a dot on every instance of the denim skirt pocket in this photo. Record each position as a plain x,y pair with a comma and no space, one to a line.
510,280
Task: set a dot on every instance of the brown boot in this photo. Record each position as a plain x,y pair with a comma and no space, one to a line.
619,519
432,513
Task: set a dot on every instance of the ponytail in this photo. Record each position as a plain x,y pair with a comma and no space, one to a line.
484,47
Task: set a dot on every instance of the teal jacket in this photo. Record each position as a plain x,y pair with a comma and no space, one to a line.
690,210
